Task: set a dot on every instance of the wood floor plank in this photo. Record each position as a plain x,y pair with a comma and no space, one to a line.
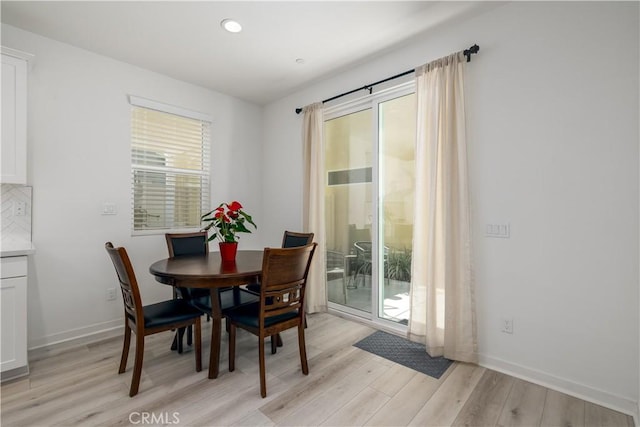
596,415
359,409
15,386
392,381
254,419
487,400
245,403
117,411
400,409
240,391
72,376
446,403
336,396
51,410
78,385
36,397
562,410
314,384
524,405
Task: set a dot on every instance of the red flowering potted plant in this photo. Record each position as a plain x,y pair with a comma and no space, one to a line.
226,221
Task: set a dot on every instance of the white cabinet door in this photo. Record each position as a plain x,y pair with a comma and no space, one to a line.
13,303
13,316
14,120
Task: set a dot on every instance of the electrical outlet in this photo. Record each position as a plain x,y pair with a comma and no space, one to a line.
19,208
111,294
507,325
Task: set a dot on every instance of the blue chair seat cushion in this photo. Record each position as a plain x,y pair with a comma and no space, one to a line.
249,314
169,312
229,298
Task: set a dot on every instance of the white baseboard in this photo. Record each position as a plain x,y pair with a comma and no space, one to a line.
581,391
92,331
14,373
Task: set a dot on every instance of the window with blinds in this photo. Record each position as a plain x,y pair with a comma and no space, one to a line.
170,166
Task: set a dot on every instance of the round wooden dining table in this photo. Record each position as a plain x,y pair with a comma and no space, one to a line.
209,271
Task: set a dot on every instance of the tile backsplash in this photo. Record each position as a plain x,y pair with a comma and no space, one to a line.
15,204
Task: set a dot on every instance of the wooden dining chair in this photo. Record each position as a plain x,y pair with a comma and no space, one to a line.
184,244
290,239
181,244
149,319
281,306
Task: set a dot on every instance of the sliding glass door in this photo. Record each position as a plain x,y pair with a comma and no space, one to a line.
369,205
349,208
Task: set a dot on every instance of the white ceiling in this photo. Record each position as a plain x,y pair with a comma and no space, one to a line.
184,40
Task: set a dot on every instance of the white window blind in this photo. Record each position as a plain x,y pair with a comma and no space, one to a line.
170,166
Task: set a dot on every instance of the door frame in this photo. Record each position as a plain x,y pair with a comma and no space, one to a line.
372,102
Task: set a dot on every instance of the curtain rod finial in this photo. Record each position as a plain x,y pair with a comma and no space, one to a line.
298,110
472,50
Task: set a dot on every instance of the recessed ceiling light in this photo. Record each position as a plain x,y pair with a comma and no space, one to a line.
231,25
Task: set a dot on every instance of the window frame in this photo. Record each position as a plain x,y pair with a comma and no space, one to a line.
204,172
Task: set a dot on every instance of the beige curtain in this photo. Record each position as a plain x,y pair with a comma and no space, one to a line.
313,205
442,291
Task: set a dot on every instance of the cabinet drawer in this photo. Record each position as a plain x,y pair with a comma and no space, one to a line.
14,266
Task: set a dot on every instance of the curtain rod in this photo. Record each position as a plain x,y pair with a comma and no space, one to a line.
467,52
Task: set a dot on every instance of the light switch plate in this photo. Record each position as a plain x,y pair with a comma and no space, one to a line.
502,231
109,209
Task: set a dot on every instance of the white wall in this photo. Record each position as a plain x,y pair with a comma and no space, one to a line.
552,109
79,157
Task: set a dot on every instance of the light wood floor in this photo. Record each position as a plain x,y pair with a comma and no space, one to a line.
74,384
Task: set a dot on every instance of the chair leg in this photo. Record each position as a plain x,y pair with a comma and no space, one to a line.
174,343
180,335
137,367
263,379
303,350
274,343
232,346
189,335
125,349
198,349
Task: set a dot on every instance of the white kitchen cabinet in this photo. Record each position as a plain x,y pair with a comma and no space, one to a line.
14,117
13,317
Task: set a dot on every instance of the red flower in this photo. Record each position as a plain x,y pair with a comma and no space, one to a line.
234,206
